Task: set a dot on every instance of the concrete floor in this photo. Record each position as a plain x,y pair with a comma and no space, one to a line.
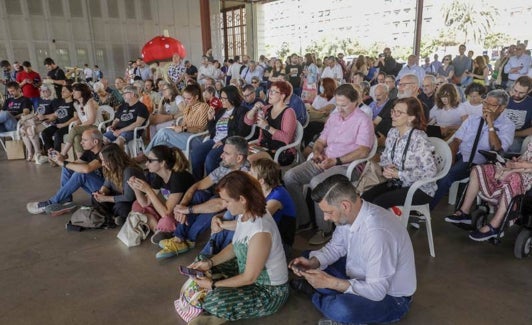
51,276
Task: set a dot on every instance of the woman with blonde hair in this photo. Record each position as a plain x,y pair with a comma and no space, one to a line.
480,71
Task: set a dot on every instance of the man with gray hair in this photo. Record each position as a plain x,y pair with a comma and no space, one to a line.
366,273
495,131
130,115
250,71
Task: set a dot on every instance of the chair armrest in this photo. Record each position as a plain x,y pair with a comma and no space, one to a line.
252,133
284,148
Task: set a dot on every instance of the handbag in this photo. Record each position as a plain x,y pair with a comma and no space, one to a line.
189,304
134,230
15,149
309,92
88,217
371,176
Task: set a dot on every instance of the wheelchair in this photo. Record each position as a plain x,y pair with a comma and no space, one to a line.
518,213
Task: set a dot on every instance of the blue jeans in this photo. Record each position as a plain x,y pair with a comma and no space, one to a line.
7,122
196,223
71,181
127,136
218,240
170,138
354,309
457,172
204,156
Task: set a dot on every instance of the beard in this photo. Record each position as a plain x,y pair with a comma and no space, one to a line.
404,94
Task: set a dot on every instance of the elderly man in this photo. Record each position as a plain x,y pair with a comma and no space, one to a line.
250,71
518,65
348,135
495,131
206,70
411,67
428,88
130,115
381,98
367,273
85,173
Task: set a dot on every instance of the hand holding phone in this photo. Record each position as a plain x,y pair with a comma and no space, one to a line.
190,272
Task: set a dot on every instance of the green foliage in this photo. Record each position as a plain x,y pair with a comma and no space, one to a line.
473,19
496,40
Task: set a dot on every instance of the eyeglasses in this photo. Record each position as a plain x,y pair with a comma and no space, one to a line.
254,82
150,160
402,84
489,105
396,112
247,95
271,91
223,98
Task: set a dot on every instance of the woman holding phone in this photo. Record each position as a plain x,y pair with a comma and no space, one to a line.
260,281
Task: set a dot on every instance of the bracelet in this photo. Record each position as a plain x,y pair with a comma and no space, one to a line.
190,210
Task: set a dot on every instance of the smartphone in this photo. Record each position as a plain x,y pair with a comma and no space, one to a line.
299,268
190,272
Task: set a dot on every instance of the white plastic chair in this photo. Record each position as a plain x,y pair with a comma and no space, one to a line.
14,135
199,135
111,112
296,143
443,158
136,144
252,132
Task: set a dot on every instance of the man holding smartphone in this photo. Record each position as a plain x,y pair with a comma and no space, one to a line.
366,273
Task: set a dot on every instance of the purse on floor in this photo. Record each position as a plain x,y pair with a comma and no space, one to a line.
134,230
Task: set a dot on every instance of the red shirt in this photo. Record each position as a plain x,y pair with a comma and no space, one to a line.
29,90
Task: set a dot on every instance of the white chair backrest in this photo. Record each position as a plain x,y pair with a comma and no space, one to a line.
442,156
110,112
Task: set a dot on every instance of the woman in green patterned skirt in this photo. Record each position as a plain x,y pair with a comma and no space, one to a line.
258,285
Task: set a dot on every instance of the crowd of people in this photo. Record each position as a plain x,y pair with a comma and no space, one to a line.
198,171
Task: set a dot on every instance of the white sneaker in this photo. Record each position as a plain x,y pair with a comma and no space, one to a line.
37,207
40,159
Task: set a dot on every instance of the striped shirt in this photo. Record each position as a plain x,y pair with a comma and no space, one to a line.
195,117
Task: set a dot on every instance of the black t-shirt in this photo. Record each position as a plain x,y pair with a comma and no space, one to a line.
63,110
89,156
45,107
127,115
179,182
16,106
57,74
386,115
293,72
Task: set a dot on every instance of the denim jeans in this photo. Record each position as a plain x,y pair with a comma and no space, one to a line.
205,159
196,223
354,309
7,122
172,139
457,172
71,181
219,240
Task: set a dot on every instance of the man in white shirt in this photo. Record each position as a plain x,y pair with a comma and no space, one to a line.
366,273
517,66
332,70
412,68
206,70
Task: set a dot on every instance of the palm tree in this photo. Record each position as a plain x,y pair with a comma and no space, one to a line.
472,18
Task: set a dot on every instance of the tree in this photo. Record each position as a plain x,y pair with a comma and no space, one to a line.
283,51
496,40
472,18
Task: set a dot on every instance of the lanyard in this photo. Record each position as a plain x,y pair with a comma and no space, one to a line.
403,158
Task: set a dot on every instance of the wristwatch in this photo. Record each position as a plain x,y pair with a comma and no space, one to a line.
267,128
491,129
338,161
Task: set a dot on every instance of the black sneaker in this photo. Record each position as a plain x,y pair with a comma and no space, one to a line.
119,220
464,218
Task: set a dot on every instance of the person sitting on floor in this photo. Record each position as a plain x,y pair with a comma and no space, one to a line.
196,209
497,185
171,179
85,173
259,278
116,197
366,273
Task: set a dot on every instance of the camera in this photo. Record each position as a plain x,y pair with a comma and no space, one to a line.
381,55
394,183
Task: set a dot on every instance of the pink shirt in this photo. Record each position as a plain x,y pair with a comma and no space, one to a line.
343,136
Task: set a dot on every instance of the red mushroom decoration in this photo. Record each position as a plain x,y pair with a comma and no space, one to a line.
162,48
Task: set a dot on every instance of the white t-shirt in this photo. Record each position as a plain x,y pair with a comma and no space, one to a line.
275,270
447,117
320,102
472,109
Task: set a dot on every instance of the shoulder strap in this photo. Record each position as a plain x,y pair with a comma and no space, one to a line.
475,144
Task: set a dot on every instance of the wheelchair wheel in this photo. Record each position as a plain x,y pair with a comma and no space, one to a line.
523,243
479,218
